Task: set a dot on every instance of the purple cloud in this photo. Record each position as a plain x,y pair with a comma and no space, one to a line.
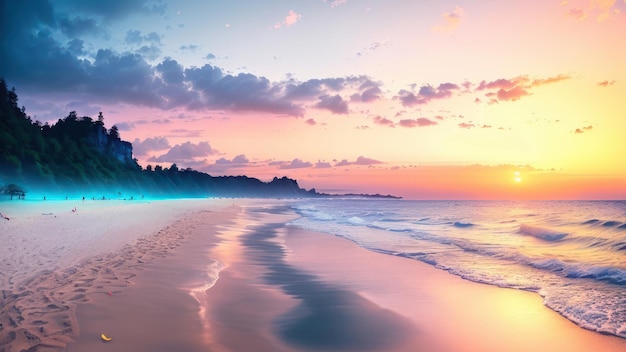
295,164
361,160
419,122
426,93
150,144
185,152
334,104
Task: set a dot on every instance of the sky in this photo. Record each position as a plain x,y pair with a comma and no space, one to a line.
420,99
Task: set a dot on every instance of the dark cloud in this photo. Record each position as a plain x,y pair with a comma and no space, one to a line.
210,56
115,9
243,92
152,52
78,26
334,104
42,63
149,145
134,37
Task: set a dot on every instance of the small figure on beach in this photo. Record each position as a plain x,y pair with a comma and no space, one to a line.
74,210
4,216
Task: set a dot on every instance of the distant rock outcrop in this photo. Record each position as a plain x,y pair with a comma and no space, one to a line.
111,145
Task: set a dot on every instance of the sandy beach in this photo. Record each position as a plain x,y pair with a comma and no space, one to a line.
212,276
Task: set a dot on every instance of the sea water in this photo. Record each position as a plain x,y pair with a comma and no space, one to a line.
572,253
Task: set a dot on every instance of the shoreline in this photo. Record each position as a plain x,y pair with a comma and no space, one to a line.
226,277
273,275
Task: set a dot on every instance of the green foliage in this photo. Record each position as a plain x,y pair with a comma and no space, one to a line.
78,154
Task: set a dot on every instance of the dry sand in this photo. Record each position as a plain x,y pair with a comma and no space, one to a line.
280,288
56,254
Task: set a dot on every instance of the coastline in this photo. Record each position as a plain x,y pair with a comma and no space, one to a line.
280,288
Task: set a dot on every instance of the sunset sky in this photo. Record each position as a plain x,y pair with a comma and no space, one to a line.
420,99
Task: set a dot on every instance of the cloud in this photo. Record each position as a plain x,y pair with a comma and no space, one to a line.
44,64
514,88
322,165
606,83
295,164
134,37
451,20
419,122
186,152
600,9
117,9
78,26
290,20
426,93
466,125
583,130
379,120
189,48
311,122
512,94
334,104
125,126
150,144
361,160
336,3
222,165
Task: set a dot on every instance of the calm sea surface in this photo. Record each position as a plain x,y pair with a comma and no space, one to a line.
572,253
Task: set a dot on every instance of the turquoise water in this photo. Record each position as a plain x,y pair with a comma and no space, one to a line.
572,253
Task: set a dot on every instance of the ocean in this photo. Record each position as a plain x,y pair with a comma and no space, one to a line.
572,253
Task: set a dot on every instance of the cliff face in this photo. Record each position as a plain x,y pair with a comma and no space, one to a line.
108,145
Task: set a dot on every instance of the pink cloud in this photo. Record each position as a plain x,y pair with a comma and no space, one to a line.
361,160
290,20
296,164
420,122
466,125
451,20
426,93
512,94
379,120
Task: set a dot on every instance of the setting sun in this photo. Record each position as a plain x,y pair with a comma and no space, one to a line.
518,177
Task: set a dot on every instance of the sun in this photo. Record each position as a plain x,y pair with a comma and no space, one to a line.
518,177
